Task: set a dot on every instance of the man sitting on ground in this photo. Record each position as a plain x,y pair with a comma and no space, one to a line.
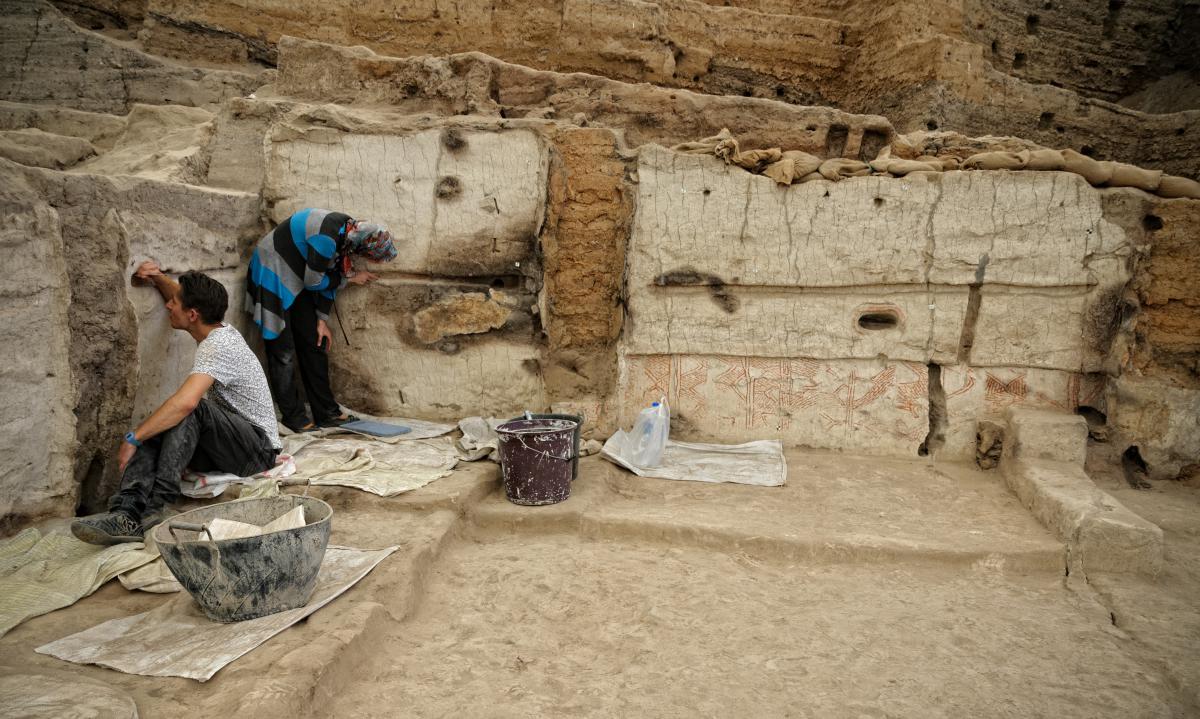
232,429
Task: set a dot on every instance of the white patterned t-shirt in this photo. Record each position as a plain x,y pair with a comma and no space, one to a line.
238,380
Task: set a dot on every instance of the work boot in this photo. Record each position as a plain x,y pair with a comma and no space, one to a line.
107,528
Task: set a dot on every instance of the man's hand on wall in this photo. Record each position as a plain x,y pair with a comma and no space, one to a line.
147,271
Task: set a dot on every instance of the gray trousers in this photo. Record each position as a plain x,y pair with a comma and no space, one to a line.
210,439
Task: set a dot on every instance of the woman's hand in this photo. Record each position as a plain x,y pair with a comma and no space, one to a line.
361,277
324,336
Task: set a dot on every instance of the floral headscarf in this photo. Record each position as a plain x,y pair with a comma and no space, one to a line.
372,241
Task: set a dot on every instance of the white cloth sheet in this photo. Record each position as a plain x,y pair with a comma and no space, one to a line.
40,573
383,468
759,463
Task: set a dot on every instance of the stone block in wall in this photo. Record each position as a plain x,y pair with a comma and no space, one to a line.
237,154
695,213
160,143
877,407
1101,534
1067,328
1042,229
388,369
1034,228
468,203
100,129
1043,434
1161,419
975,393
36,148
182,227
907,322
37,424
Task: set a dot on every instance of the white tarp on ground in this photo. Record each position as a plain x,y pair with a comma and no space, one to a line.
41,573
759,463
177,640
384,468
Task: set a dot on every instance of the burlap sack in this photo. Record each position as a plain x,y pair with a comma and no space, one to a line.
782,172
838,168
709,145
1042,160
805,163
757,160
811,177
1132,176
994,161
900,168
949,162
794,164
1094,171
1172,186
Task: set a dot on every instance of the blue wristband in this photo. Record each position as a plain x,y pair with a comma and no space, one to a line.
132,440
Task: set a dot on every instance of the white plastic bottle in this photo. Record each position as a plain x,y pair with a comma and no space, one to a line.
649,436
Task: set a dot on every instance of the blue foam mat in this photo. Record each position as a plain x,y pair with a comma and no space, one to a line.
376,429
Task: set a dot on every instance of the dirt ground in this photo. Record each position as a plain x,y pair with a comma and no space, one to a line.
864,588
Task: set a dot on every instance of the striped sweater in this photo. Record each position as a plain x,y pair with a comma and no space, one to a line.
298,255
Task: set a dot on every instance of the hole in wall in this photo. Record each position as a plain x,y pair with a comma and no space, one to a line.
1092,415
1031,24
1135,468
1110,20
931,125
878,201
1087,150
878,318
1045,120
872,142
1019,61
937,413
1152,223
448,187
90,490
1097,422
835,140
780,91
453,140
995,47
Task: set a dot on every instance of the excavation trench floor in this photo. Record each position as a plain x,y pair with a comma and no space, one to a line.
863,588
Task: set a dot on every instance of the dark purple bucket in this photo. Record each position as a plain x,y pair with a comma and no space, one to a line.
536,456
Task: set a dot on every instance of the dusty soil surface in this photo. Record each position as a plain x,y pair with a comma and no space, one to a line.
864,588
555,626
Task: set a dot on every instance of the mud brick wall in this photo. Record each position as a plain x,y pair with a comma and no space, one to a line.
875,315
